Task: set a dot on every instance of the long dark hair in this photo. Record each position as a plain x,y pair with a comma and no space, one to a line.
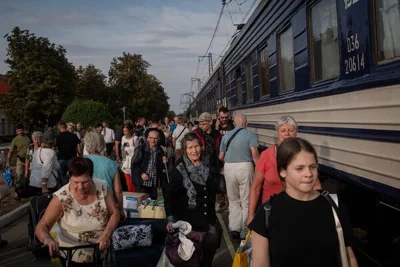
288,149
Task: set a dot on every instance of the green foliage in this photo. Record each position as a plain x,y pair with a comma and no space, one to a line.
40,80
141,93
90,83
89,113
170,114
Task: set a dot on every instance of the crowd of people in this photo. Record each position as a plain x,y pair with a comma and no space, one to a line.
202,167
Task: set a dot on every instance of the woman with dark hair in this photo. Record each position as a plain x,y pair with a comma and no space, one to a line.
191,196
300,229
85,212
129,142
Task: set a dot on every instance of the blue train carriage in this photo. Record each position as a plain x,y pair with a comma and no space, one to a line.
335,67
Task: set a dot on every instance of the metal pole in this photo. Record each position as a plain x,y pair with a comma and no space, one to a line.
123,110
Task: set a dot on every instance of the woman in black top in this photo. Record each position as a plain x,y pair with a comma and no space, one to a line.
191,196
301,227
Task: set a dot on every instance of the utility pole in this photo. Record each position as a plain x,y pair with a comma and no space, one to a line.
194,80
210,63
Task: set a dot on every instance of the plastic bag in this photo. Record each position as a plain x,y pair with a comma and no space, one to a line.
8,176
4,189
243,254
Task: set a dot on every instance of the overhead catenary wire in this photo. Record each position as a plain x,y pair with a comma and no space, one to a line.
230,15
215,32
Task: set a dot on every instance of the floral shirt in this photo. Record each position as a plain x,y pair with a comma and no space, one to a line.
82,224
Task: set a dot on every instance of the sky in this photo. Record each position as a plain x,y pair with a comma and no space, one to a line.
170,34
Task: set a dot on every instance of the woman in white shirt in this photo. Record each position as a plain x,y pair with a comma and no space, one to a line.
128,144
44,168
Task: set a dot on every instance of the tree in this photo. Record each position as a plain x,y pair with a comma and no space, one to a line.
40,80
90,84
171,114
87,112
135,89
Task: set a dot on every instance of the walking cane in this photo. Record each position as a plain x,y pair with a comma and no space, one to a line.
165,164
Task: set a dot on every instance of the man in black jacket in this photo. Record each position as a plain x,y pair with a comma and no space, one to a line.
148,166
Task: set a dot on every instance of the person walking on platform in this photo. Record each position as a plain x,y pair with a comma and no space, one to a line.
148,166
109,137
239,150
297,227
210,142
68,146
177,136
266,178
19,144
129,143
223,124
191,197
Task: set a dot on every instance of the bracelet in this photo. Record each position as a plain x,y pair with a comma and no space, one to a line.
44,239
44,183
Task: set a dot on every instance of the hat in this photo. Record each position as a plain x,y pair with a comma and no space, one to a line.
205,117
47,137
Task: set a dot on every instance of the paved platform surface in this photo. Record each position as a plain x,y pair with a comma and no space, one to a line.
15,253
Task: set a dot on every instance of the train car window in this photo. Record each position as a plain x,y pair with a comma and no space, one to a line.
239,90
263,71
249,81
324,41
387,13
286,60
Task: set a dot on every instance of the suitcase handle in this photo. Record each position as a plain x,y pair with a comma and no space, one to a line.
70,251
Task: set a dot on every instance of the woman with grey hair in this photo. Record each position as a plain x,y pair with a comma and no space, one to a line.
37,141
103,167
191,197
45,168
266,178
72,129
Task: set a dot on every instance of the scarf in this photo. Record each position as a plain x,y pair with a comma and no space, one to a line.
197,174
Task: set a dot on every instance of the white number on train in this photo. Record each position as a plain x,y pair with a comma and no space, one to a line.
348,3
355,63
352,43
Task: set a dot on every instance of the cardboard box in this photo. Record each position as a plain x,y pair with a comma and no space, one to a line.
131,214
150,212
132,201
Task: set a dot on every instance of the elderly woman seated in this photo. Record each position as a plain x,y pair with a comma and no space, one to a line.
85,212
191,196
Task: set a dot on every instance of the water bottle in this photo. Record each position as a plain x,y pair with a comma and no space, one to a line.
55,260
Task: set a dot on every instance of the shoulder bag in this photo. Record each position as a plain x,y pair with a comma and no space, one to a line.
333,200
221,181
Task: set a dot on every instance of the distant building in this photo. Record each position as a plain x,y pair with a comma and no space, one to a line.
6,128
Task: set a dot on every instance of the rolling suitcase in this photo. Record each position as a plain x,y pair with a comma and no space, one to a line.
37,207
